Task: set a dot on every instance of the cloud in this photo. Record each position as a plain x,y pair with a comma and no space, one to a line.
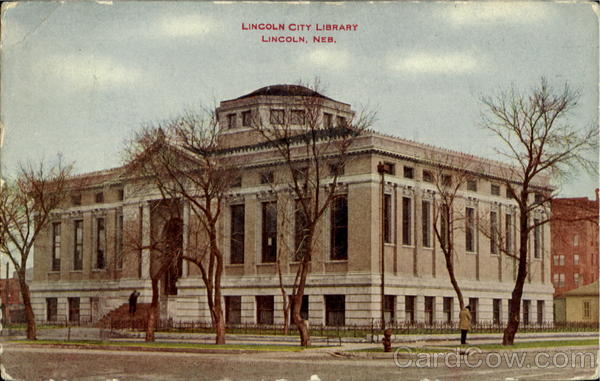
434,63
510,12
187,26
329,58
89,71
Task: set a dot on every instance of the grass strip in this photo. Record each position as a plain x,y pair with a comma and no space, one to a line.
158,345
518,345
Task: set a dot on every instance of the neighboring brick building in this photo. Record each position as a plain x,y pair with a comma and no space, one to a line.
574,243
82,270
12,302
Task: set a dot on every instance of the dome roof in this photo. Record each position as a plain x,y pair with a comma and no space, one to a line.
284,91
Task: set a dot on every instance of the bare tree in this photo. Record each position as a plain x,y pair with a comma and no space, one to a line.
26,204
538,139
165,248
313,153
184,160
451,176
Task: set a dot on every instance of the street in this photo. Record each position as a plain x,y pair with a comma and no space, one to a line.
31,363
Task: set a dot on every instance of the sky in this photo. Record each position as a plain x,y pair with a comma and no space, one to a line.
80,77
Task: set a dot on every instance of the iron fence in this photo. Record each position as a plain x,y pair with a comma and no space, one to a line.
352,330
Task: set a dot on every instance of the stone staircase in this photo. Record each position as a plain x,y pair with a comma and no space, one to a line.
119,318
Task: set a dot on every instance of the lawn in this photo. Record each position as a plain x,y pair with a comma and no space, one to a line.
517,345
535,344
159,345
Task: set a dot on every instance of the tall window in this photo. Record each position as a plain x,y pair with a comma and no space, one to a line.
409,308
497,311
406,221
387,218
56,246
265,308
51,309
576,259
335,310
237,233
119,246
100,243
301,232
474,303
577,279
389,308
470,229
233,309
537,238
494,232
269,232
339,228
445,225
78,240
540,311
429,305
448,306
73,310
508,233
526,311
426,222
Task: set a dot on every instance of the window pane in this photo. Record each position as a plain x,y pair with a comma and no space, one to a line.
387,218
406,221
269,232
426,222
470,229
237,233
339,228
78,250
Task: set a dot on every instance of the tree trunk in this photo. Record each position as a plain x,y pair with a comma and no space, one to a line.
218,318
450,268
300,323
219,328
29,316
153,312
286,317
513,320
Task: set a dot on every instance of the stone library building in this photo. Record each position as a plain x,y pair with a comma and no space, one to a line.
83,269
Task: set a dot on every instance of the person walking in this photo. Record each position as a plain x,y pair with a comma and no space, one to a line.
133,302
464,323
